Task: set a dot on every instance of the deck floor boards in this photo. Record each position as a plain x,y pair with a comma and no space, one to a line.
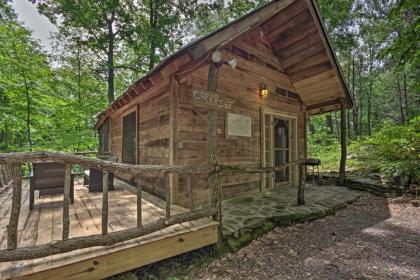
44,223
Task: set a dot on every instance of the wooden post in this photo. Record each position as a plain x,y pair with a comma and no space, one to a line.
190,194
343,142
301,189
214,178
105,189
66,202
173,107
168,195
12,228
139,197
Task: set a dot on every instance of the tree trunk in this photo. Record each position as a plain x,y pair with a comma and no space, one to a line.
110,61
354,109
312,128
369,109
400,97
360,98
407,111
79,96
4,132
152,22
369,96
28,112
342,174
337,128
329,123
349,125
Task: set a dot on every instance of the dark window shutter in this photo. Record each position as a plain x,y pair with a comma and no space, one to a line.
129,138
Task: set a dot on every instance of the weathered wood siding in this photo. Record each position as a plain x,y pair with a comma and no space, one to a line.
153,134
256,65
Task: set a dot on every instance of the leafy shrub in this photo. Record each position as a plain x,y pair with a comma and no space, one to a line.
394,149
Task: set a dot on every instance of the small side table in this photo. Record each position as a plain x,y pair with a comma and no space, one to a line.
313,162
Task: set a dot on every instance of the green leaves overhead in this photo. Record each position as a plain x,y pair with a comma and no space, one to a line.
49,100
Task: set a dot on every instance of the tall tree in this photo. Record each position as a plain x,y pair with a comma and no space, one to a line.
101,25
158,28
24,79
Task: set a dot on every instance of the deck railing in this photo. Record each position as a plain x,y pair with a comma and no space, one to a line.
13,163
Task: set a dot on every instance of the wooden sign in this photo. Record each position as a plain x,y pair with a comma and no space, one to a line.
212,100
238,125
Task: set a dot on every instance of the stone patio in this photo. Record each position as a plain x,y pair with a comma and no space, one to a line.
278,206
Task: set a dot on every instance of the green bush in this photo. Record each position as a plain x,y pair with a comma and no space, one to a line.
392,150
395,149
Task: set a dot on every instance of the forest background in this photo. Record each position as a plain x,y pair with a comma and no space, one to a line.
48,99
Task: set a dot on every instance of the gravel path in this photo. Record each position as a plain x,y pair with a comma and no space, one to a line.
373,238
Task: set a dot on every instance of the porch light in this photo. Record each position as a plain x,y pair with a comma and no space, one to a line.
263,90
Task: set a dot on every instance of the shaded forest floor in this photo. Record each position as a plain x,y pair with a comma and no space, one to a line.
373,238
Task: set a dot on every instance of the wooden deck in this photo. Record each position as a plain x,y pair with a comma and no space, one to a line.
44,224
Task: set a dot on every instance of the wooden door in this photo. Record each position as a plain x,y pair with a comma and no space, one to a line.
279,148
129,141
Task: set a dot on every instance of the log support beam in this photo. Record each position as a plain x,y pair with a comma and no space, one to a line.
343,142
12,228
66,202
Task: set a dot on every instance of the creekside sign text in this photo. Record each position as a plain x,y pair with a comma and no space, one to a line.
212,100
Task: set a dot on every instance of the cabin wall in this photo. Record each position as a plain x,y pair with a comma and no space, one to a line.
152,136
242,84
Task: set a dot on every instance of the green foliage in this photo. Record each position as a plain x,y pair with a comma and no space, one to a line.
44,107
392,149
395,148
404,18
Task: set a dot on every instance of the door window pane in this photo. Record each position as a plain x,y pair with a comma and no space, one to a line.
281,134
281,149
282,158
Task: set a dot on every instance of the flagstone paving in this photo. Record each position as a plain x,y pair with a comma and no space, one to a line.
279,206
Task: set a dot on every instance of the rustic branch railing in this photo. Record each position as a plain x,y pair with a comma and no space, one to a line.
13,162
225,169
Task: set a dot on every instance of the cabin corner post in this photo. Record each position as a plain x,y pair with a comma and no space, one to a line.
214,177
12,229
173,107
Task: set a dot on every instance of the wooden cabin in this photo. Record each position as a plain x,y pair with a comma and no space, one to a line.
285,72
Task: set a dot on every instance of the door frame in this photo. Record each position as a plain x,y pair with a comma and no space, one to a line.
293,146
124,114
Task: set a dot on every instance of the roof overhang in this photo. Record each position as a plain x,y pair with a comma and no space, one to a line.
296,35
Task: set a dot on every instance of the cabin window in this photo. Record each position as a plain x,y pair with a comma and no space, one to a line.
103,131
129,141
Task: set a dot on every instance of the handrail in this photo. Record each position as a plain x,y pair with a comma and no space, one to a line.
13,162
28,157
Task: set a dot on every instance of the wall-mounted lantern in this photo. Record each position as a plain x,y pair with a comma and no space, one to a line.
263,90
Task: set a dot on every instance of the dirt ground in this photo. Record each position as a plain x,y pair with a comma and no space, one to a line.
374,238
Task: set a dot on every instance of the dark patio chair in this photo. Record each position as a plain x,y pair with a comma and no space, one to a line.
94,177
48,179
